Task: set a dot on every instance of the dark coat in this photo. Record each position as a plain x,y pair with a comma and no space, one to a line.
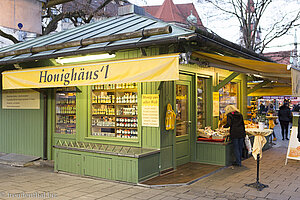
236,123
285,114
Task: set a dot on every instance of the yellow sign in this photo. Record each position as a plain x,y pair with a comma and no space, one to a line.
158,68
150,110
216,104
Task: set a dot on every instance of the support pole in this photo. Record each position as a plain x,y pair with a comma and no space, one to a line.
259,186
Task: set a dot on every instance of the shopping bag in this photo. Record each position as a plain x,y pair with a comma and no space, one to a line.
248,144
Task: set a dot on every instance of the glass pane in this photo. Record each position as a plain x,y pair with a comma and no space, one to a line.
200,103
65,111
181,110
228,96
114,110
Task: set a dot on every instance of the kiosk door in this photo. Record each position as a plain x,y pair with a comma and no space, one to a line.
183,122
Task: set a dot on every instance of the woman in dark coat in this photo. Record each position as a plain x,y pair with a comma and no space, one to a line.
285,117
237,131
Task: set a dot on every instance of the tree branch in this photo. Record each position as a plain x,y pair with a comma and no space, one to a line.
9,37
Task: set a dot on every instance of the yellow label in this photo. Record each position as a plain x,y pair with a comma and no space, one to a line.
158,68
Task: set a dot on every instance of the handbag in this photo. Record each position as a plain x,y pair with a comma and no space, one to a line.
248,144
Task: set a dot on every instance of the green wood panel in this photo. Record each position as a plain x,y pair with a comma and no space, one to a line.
82,107
21,130
243,95
98,166
50,124
295,120
69,162
209,102
182,148
166,158
148,166
125,169
150,135
166,96
136,53
212,153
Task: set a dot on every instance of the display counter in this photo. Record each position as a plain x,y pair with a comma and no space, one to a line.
220,153
215,153
115,162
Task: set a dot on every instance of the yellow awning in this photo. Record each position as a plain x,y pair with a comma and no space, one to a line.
157,68
274,91
242,65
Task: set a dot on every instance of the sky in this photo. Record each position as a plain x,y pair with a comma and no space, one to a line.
228,27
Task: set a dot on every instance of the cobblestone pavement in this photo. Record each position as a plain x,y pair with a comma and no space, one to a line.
38,182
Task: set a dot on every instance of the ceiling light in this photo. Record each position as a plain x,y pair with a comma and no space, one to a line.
62,60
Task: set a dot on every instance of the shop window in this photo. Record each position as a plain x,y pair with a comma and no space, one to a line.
65,121
114,110
181,110
200,103
228,96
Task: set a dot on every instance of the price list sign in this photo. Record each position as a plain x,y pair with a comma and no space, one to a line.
150,110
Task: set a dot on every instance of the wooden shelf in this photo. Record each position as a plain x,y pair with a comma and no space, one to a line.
103,103
103,90
125,104
67,124
116,90
66,105
103,126
126,115
135,128
101,115
127,90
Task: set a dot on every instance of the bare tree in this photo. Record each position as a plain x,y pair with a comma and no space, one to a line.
8,36
256,34
77,12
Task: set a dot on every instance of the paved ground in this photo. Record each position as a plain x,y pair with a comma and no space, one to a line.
283,181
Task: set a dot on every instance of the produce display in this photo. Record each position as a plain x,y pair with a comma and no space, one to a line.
250,124
256,131
221,133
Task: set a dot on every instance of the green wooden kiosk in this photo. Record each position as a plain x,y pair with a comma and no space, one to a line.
102,128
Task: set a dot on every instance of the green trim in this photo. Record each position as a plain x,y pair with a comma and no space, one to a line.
185,79
225,81
103,138
50,126
63,136
243,95
209,102
258,86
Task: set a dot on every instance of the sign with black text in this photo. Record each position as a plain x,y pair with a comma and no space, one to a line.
150,110
20,99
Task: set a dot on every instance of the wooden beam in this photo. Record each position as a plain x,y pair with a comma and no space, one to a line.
225,81
144,33
260,85
51,3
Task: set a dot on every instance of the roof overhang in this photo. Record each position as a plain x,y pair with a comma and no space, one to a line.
269,70
272,91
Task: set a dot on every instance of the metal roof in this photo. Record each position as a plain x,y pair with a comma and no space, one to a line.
110,26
